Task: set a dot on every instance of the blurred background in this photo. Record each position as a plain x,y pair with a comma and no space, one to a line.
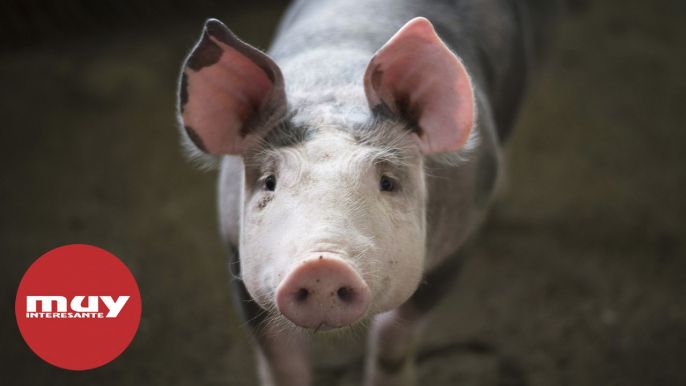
578,277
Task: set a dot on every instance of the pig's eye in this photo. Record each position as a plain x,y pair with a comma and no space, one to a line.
270,183
387,184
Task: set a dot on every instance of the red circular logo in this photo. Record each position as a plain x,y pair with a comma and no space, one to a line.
78,307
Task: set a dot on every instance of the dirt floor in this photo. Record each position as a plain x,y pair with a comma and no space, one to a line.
578,278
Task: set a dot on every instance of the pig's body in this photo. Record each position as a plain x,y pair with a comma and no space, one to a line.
323,49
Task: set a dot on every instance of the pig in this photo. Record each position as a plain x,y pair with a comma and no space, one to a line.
357,158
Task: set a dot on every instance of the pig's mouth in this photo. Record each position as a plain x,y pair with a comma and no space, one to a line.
326,330
323,293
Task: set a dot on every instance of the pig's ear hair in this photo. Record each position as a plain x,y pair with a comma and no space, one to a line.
419,79
228,89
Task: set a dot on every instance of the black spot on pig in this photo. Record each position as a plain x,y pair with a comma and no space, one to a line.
183,91
264,201
195,138
287,134
224,35
438,282
383,111
205,54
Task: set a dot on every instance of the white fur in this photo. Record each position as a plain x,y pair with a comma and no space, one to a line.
327,199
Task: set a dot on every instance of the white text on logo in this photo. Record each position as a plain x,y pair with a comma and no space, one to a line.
89,311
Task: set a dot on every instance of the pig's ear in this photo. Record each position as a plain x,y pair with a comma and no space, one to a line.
417,77
227,88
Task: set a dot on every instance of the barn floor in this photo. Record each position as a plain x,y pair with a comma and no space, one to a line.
578,278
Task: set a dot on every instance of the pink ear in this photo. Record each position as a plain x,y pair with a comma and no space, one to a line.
417,77
226,88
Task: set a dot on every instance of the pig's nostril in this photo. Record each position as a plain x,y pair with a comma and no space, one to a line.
301,294
345,294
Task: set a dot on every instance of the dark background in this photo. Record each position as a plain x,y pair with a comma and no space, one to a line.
579,275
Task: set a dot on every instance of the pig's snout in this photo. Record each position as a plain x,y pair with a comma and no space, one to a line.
323,293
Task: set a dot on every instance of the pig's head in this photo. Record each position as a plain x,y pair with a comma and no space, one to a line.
333,223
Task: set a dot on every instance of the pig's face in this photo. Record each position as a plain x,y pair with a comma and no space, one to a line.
333,222
341,197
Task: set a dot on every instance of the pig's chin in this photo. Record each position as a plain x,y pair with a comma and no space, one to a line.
325,330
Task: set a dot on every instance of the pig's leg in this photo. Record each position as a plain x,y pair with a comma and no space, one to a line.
282,357
392,341
395,334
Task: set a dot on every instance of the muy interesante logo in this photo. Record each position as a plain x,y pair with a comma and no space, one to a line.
90,311
78,307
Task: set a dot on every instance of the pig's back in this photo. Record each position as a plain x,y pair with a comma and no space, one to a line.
500,42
